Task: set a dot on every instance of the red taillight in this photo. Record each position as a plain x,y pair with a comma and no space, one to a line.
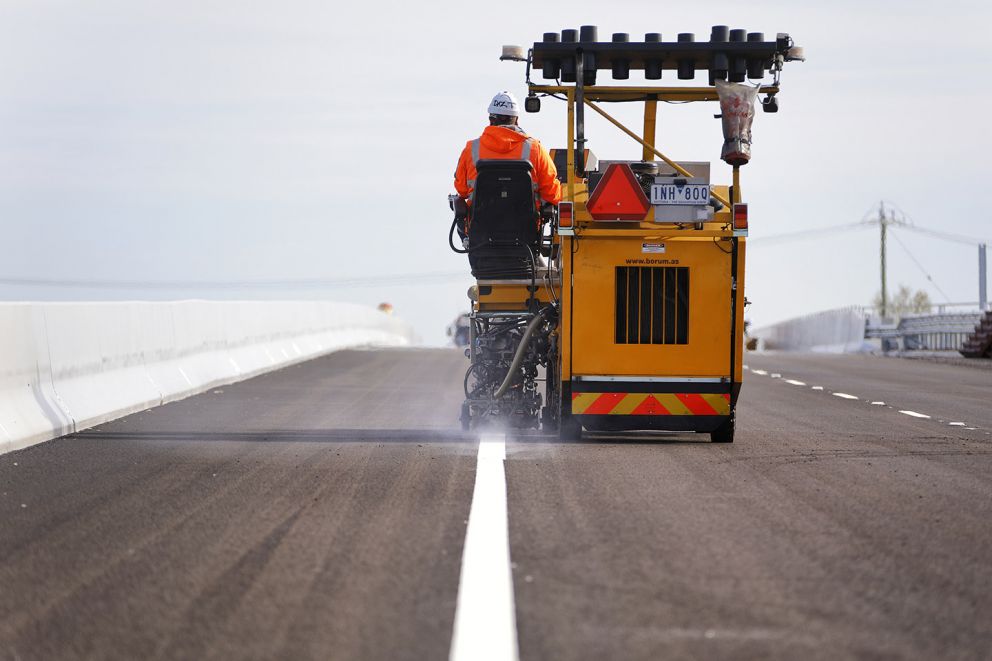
564,214
740,216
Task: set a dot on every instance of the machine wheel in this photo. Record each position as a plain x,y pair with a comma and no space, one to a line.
725,432
548,423
570,429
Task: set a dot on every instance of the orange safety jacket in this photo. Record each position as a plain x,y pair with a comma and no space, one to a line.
508,142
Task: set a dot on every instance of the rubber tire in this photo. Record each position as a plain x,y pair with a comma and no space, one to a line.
725,432
548,425
569,429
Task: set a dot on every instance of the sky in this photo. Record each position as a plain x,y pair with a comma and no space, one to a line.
171,146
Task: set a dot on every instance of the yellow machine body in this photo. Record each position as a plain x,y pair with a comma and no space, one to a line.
702,329
636,321
651,325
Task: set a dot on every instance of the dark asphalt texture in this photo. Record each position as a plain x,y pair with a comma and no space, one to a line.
319,512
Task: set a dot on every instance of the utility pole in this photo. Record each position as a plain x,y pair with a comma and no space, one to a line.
883,224
982,277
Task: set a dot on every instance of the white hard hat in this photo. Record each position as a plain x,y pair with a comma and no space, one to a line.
504,103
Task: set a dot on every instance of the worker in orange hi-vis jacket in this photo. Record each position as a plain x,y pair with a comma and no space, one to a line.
504,139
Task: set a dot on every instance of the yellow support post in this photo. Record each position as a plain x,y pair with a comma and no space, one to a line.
650,121
570,161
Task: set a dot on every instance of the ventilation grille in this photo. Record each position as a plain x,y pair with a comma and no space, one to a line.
652,305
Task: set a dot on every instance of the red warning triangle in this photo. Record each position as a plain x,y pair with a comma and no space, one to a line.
618,196
650,406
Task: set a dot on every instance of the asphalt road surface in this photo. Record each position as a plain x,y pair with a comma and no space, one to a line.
321,511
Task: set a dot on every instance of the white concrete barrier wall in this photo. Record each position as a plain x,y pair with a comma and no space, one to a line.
841,330
68,366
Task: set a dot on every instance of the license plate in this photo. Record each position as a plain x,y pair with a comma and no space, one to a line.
691,194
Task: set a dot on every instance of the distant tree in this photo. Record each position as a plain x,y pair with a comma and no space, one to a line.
921,302
905,301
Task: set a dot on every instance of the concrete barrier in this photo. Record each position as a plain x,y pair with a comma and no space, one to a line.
841,330
68,366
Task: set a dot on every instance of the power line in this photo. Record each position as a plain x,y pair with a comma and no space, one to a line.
920,266
810,233
909,223
947,236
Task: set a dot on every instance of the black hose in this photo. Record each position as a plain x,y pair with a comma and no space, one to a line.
519,356
451,238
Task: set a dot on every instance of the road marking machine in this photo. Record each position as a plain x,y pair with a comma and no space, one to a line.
629,295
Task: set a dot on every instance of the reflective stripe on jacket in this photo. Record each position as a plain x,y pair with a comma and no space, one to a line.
512,143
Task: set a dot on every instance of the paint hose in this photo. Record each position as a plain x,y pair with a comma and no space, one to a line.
519,356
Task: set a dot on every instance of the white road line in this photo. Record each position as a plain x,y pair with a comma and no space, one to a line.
844,395
776,375
794,382
760,372
915,414
817,387
957,424
878,403
485,617
745,367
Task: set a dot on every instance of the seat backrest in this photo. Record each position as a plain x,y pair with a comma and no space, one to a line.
503,205
503,233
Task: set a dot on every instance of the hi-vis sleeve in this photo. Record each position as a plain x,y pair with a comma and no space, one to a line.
462,174
547,176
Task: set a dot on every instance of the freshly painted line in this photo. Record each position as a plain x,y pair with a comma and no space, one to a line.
776,375
794,382
878,403
915,414
485,616
844,395
760,372
956,424
817,387
745,367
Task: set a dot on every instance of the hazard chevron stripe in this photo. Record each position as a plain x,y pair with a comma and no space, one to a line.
641,403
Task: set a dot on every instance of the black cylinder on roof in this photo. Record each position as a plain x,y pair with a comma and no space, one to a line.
738,35
568,36
687,67
550,69
568,70
719,33
755,65
652,68
621,66
588,33
589,68
738,69
719,66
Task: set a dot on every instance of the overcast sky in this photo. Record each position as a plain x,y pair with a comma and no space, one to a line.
251,141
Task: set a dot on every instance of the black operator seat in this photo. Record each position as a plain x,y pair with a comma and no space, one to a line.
504,233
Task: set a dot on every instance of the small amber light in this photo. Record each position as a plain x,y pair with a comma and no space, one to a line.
564,214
